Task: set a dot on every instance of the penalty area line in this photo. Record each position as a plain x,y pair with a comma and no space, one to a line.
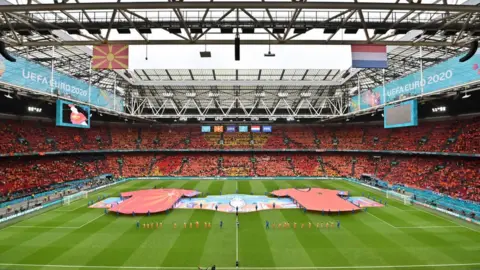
55,227
428,227
43,227
381,220
446,219
71,210
92,220
250,268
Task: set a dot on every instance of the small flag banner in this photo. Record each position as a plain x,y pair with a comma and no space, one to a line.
255,128
230,128
110,57
266,129
369,56
218,129
206,129
243,128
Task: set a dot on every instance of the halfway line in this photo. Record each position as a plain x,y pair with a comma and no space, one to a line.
250,268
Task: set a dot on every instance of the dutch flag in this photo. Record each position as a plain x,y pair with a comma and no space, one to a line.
369,56
255,128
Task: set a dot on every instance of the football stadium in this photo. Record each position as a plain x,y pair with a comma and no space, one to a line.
208,134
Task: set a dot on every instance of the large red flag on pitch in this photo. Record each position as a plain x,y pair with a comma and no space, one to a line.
110,57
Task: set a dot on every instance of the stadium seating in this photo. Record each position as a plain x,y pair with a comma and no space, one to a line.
43,136
338,165
273,165
135,165
149,138
199,165
458,178
166,165
237,165
468,140
26,175
124,138
236,141
307,165
350,137
300,137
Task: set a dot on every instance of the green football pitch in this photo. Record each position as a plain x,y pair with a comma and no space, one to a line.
393,237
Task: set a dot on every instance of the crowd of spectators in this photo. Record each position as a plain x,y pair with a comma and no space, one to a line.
166,165
456,177
237,165
273,165
200,165
469,139
444,136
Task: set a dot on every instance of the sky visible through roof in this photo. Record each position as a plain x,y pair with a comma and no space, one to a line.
252,56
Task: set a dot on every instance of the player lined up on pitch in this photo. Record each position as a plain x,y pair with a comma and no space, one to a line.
279,225
191,225
286,225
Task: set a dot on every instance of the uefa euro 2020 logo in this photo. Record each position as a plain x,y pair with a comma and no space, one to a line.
2,68
477,68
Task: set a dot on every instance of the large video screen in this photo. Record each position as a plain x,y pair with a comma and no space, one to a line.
72,115
404,114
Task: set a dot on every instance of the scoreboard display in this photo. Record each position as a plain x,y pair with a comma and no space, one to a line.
404,114
72,115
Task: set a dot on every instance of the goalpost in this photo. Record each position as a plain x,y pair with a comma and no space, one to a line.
407,199
74,197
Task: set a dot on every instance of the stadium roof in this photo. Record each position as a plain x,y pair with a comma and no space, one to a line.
441,27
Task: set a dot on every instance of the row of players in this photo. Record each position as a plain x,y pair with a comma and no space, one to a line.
208,225
286,225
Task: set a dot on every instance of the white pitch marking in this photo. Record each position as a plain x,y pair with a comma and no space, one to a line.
43,227
442,217
236,232
381,220
428,227
250,268
55,227
90,221
59,210
391,205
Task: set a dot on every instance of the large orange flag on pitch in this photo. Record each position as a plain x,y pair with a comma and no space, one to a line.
110,57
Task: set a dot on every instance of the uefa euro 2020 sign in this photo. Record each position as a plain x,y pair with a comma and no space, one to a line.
29,75
444,75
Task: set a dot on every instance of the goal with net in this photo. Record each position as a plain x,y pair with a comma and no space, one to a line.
406,198
74,197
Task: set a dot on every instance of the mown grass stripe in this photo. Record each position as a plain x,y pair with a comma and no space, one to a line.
410,237
362,240
253,245
120,228
218,246
282,242
47,234
190,243
61,245
314,242
128,242
345,238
